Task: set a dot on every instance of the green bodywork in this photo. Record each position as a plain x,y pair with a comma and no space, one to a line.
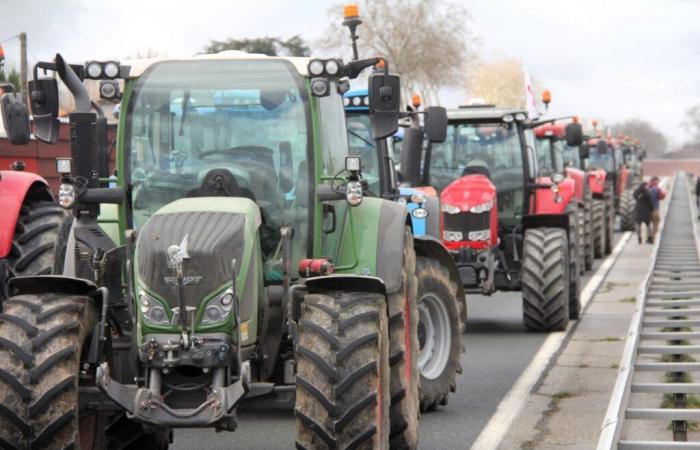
352,246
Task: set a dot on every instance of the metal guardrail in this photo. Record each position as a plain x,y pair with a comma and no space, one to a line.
667,307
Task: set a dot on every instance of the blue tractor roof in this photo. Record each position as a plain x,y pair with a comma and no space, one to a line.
349,100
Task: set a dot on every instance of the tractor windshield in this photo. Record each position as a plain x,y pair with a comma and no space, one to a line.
493,146
234,128
550,155
597,160
572,157
361,143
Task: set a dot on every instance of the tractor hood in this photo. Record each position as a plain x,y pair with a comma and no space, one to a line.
218,230
469,191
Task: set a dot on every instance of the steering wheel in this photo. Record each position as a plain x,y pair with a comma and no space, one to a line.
241,149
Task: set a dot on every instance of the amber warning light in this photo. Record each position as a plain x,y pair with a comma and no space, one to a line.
351,11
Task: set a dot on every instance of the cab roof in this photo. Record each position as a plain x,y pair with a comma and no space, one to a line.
482,113
556,129
139,66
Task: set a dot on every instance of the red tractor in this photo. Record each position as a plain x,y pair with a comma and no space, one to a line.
556,156
508,225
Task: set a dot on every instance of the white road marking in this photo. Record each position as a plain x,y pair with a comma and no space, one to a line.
508,409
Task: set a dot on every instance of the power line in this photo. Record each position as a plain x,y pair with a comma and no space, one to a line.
9,38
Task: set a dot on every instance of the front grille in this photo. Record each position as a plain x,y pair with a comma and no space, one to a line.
466,222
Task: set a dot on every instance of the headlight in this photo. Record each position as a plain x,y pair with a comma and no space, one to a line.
452,235
356,101
152,310
520,117
111,69
365,101
450,209
508,118
478,209
93,69
481,235
316,67
332,67
353,193
218,309
419,213
558,178
66,195
555,188
346,101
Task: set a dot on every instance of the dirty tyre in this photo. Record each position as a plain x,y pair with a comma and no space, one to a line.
342,379
403,354
581,239
41,338
599,228
545,279
589,236
609,220
574,264
34,245
627,211
439,335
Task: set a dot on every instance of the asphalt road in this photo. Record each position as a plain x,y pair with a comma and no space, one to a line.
497,350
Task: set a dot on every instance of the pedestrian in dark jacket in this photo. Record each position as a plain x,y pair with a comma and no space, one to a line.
643,211
697,195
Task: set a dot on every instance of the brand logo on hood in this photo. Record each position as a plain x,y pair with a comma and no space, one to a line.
194,279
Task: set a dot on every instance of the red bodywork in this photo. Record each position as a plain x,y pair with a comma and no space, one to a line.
579,177
545,201
14,187
622,180
596,181
558,131
466,192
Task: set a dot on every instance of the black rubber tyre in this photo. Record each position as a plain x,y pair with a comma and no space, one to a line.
342,379
435,291
627,205
581,238
574,264
609,218
403,354
589,255
545,279
39,239
599,228
41,340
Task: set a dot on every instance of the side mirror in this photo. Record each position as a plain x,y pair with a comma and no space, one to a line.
44,98
602,147
384,104
584,151
286,176
16,118
435,124
574,134
411,149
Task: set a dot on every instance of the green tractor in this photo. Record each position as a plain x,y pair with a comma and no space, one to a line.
237,257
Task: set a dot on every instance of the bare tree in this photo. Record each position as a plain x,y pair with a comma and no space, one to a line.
653,140
427,42
499,82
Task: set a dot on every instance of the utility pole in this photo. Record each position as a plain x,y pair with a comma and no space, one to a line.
23,64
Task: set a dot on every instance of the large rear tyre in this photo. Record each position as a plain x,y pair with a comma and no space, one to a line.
545,279
342,394
599,228
627,205
403,351
39,239
439,333
574,265
589,235
581,238
41,341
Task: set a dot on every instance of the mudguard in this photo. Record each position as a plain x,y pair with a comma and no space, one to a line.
596,180
42,284
546,220
356,283
430,247
373,244
15,188
545,198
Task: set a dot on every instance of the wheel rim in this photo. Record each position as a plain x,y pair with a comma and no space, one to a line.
435,336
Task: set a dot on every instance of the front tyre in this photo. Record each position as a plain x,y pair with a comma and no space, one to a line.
627,205
545,279
41,341
439,332
342,394
599,228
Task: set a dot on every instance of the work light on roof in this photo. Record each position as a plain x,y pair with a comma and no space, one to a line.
520,117
508,118
332,67
356,101
316,67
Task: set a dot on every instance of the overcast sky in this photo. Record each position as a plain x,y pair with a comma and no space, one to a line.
614,59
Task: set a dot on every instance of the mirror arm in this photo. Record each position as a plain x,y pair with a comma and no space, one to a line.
355,67
537,123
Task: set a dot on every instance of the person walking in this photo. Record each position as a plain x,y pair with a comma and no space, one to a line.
697,195
657,194
643,211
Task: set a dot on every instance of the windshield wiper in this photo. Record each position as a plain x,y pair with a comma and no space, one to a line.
361,138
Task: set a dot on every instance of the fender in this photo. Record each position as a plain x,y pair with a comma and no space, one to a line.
546,220
15,189
579,177
353,283
43,284
545,198
373,241
430,247
623,180
596,180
